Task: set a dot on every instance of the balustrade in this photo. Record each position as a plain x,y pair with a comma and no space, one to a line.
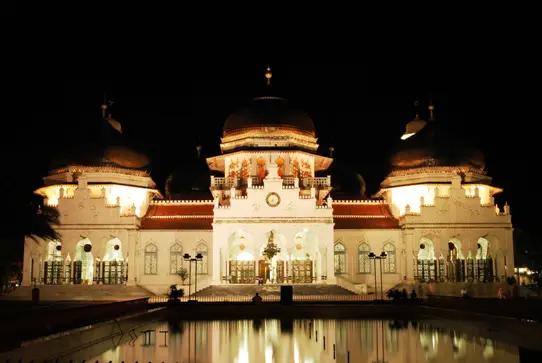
289,181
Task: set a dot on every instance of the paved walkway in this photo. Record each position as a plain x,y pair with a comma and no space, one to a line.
80,292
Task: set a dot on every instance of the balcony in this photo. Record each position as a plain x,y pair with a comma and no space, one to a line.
221,183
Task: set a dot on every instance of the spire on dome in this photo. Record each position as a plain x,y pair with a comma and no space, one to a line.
198,148
331,150
431,108
268,75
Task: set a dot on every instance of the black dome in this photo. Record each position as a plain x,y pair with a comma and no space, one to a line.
269,111
104,145
436,144
192,181
346,183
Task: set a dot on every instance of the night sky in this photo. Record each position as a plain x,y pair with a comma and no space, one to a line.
360,109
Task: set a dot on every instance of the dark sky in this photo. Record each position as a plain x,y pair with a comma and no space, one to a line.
361,109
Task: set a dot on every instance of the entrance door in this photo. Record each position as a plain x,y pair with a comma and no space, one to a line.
242,272
263,270
280,272
301,271
113,272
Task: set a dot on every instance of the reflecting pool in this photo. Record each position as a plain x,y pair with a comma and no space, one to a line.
306,341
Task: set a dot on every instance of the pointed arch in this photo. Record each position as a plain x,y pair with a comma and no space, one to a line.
175,258
390,262
364,263
151,259
339,251
203,265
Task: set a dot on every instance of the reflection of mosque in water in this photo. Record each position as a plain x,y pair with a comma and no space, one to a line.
307,341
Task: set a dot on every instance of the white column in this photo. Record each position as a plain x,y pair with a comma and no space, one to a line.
408,238
319,271
215,258
132,261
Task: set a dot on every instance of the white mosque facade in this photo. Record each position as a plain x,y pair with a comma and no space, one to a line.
434,218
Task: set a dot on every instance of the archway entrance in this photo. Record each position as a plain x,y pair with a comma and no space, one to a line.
242,272
455,262
83,267
484,262
53,266
114,268
300,266
426,263
300,271
241,264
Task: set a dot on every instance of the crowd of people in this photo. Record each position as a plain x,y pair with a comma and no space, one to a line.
395,295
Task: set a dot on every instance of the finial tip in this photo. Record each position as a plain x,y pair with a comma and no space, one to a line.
268,74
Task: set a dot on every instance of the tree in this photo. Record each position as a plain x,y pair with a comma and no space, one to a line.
40,221
183,273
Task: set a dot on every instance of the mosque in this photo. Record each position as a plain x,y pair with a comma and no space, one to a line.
270,209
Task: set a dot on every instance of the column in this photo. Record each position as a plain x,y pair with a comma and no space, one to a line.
215,259
132,261
319,270
27,265
408,238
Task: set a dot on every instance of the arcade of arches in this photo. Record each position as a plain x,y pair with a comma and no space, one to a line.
248,259
453,262
59,268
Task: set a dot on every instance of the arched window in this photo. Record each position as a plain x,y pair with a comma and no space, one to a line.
340,258
204,263
364,263
175,258
151,259
390,263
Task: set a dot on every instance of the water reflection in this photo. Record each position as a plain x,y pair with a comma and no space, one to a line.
305,341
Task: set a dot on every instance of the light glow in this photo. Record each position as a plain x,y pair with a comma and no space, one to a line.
129,196
401,196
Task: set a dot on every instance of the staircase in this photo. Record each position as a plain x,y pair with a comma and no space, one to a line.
80,292
273,290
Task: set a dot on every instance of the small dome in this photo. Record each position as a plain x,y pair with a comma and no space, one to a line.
105,146
434,144
192,181
345,182
269,111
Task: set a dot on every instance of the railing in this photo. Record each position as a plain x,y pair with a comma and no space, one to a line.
304,182
268,298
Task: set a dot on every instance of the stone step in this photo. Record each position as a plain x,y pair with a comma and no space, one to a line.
265,290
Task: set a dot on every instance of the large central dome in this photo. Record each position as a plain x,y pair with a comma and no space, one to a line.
269,111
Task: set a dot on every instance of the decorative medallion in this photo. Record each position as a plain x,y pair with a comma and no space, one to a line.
422,246
88,247
241,247
116,247
58,247
298,246
272,199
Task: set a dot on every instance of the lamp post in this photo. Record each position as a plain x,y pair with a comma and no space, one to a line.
374,257
382,256
191,259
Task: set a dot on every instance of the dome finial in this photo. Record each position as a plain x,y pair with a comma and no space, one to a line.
268,75
331,150
198,148
104,104
431,108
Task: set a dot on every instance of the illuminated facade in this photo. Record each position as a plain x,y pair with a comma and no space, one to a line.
434,217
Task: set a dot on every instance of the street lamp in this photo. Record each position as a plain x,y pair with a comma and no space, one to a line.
374,257
191,259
